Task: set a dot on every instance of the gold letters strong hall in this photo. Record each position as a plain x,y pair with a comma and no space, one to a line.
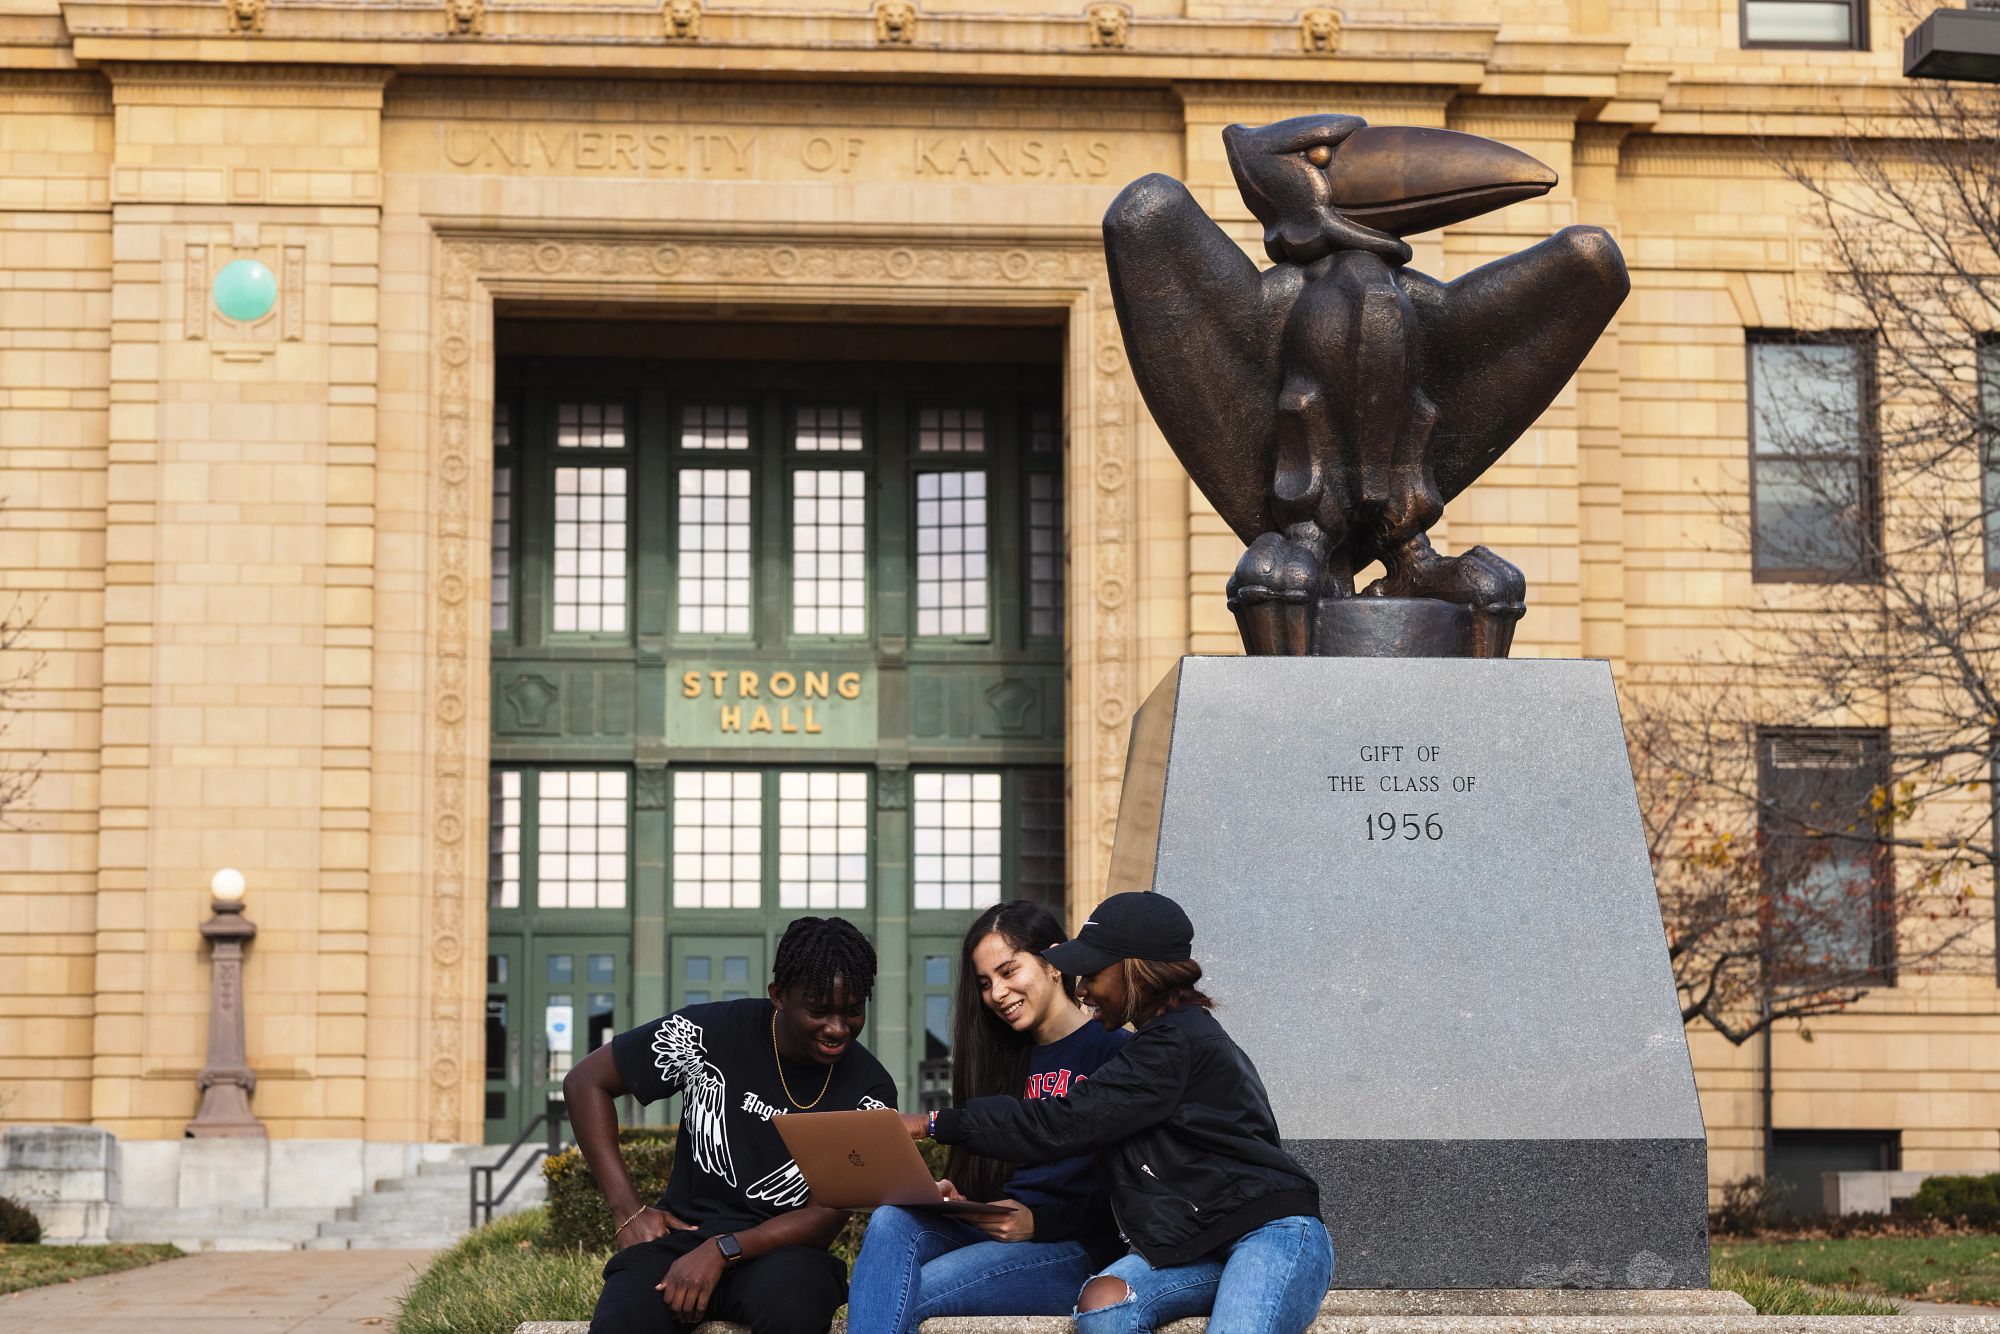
790,712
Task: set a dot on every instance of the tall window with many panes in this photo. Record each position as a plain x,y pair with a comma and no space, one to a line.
766,642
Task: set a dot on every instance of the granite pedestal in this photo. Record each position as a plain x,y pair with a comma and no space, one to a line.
1423,899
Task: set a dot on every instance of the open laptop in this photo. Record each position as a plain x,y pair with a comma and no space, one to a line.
859,1160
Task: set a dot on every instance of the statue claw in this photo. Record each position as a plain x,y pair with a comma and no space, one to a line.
1272,595
1493,588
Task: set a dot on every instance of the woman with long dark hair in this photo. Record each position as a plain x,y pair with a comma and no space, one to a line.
1019,1031
1220,1218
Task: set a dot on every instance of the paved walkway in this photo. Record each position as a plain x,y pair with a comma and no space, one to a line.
227,1292
1943,1308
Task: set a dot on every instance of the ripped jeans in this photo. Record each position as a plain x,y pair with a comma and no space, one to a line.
1265,1282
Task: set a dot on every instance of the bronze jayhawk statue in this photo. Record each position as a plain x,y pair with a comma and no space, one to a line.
1331,405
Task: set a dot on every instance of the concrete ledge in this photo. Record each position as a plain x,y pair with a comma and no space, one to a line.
1484,1311
1655,1323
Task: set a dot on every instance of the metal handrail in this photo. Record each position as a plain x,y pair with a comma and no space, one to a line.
485,1200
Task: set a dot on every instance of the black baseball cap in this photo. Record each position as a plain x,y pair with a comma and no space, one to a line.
1137,925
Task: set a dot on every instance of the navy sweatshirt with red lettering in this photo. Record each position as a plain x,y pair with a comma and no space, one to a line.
1067,1195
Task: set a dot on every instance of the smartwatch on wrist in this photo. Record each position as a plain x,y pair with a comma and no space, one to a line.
732,1250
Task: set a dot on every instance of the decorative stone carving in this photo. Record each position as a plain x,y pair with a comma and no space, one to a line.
683,20
465,18
895,23
1014,703
246,15
1319,31
1109,25
532,699
195,279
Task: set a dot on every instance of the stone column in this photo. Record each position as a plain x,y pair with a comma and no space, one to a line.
227,1081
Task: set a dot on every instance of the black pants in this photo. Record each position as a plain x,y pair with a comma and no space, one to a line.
795,1290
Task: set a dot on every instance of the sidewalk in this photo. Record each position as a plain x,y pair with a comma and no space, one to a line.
227,1292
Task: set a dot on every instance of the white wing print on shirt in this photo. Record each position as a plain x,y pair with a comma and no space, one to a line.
786,1186
783,1188
681,1057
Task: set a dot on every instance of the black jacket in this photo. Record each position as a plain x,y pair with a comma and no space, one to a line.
1183,1131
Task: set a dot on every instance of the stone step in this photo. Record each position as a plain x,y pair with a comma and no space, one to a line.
404,1241
219,1228
367,1237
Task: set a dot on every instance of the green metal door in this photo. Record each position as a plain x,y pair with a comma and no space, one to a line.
933,981
577,999
716,968
504,1069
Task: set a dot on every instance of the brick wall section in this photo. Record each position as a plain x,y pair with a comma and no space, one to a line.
55,316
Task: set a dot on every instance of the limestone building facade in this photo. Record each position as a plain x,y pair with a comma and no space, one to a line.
676,468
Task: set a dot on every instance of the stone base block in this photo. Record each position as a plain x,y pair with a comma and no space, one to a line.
1450,1208
67,1175
1422,896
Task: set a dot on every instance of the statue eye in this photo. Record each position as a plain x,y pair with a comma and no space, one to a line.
1319,155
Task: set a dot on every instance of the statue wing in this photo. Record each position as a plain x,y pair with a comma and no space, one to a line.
1201,328
1501,342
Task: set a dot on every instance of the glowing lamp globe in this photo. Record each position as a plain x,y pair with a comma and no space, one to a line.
227,885
245,290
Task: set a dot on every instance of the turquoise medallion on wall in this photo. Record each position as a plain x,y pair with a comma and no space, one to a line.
245,290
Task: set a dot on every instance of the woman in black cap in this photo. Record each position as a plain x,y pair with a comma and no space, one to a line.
1221,1220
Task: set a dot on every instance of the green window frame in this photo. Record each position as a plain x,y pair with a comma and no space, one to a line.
589,510
539,865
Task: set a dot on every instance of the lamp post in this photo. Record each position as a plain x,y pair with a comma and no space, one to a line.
226,1082
1956,44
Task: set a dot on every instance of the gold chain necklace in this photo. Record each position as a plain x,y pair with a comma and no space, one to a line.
779,1061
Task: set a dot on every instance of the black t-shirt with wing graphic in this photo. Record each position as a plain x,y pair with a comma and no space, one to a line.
731,1170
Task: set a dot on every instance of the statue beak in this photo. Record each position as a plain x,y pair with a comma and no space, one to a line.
1400,179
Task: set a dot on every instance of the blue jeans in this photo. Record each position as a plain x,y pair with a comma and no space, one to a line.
917,1263
1266,1282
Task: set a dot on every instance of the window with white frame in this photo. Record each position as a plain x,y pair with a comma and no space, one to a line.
951,431
827,430
503,839
589,549
1988,366
502,603
718,838
822,839
1045,555
951,553
590,426
1832,25
713,569
829,551
715,426
582,820
955,824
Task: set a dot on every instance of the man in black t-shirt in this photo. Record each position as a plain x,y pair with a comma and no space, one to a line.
733,1238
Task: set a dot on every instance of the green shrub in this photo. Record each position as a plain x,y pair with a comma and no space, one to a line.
496,1277
1970,1199
578,1216
18,1224
1749,1205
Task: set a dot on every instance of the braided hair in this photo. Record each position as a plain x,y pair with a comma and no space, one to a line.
815,951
